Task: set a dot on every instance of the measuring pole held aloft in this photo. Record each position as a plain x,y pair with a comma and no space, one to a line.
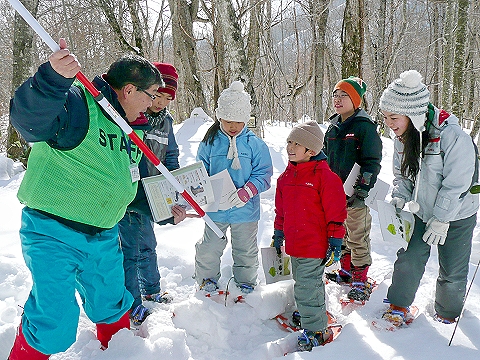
120,121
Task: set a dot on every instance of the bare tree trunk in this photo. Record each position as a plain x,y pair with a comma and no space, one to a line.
384,45
236,66
319,11
218,49
471,74
17,147
378,51
437,25
352,38
159,31
267,85
253,55
108,8
448,57
220,81
298,84
476,127
473,105
459,67
138,33
184,45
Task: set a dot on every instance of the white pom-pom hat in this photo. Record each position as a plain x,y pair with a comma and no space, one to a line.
234,104
407,96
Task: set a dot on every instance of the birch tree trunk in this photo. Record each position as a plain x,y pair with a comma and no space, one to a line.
235,65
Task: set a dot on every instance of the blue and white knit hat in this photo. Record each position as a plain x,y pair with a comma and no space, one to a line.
407,96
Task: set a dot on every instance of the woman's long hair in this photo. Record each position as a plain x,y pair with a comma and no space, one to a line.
211,133
411,151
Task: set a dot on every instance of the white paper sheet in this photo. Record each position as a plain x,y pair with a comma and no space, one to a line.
275,267
161,195
395,226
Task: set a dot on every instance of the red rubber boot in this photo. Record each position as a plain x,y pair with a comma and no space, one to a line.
22,351
106,331
345,262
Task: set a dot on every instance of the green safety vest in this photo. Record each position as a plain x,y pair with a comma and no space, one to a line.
90,184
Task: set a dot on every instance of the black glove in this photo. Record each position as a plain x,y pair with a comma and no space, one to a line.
357,200
277,240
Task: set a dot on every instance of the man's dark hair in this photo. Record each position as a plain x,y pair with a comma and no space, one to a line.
133,69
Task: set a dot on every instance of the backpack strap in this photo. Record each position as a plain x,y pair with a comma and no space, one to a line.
474,187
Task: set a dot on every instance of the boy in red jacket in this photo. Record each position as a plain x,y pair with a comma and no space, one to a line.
310,209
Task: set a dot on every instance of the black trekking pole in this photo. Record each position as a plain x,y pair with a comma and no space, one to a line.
463,305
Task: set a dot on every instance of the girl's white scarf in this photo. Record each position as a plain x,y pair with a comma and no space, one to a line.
232,150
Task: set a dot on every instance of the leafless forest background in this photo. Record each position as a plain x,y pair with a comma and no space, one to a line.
289,53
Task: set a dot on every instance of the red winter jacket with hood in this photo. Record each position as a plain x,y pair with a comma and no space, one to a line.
310,207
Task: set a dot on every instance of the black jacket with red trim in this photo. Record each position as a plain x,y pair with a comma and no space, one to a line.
354,140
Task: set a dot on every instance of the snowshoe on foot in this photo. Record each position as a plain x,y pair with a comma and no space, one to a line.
361,287
209,285
139,315
309,339
360,291
162,298
397,315
443,320
340,276
246,288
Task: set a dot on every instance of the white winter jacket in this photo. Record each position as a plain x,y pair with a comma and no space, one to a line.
446,172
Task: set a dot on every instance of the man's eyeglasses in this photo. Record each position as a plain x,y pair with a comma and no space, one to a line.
153,97
339,96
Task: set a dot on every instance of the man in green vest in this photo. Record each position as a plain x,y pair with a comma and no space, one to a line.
81,175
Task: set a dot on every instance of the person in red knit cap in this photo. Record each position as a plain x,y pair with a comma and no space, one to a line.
137,236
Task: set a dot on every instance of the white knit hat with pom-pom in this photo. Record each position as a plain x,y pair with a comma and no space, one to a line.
234,104
408,96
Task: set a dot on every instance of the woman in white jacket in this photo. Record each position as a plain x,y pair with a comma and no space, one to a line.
435,165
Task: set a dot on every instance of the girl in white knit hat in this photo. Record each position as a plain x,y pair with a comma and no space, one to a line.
229,144
434,164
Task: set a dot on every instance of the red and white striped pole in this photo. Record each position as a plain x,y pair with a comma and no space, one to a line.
100,99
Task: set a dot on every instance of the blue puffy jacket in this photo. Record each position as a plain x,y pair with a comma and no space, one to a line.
256,166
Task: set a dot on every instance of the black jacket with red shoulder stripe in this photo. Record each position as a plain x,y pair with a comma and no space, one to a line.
354,140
